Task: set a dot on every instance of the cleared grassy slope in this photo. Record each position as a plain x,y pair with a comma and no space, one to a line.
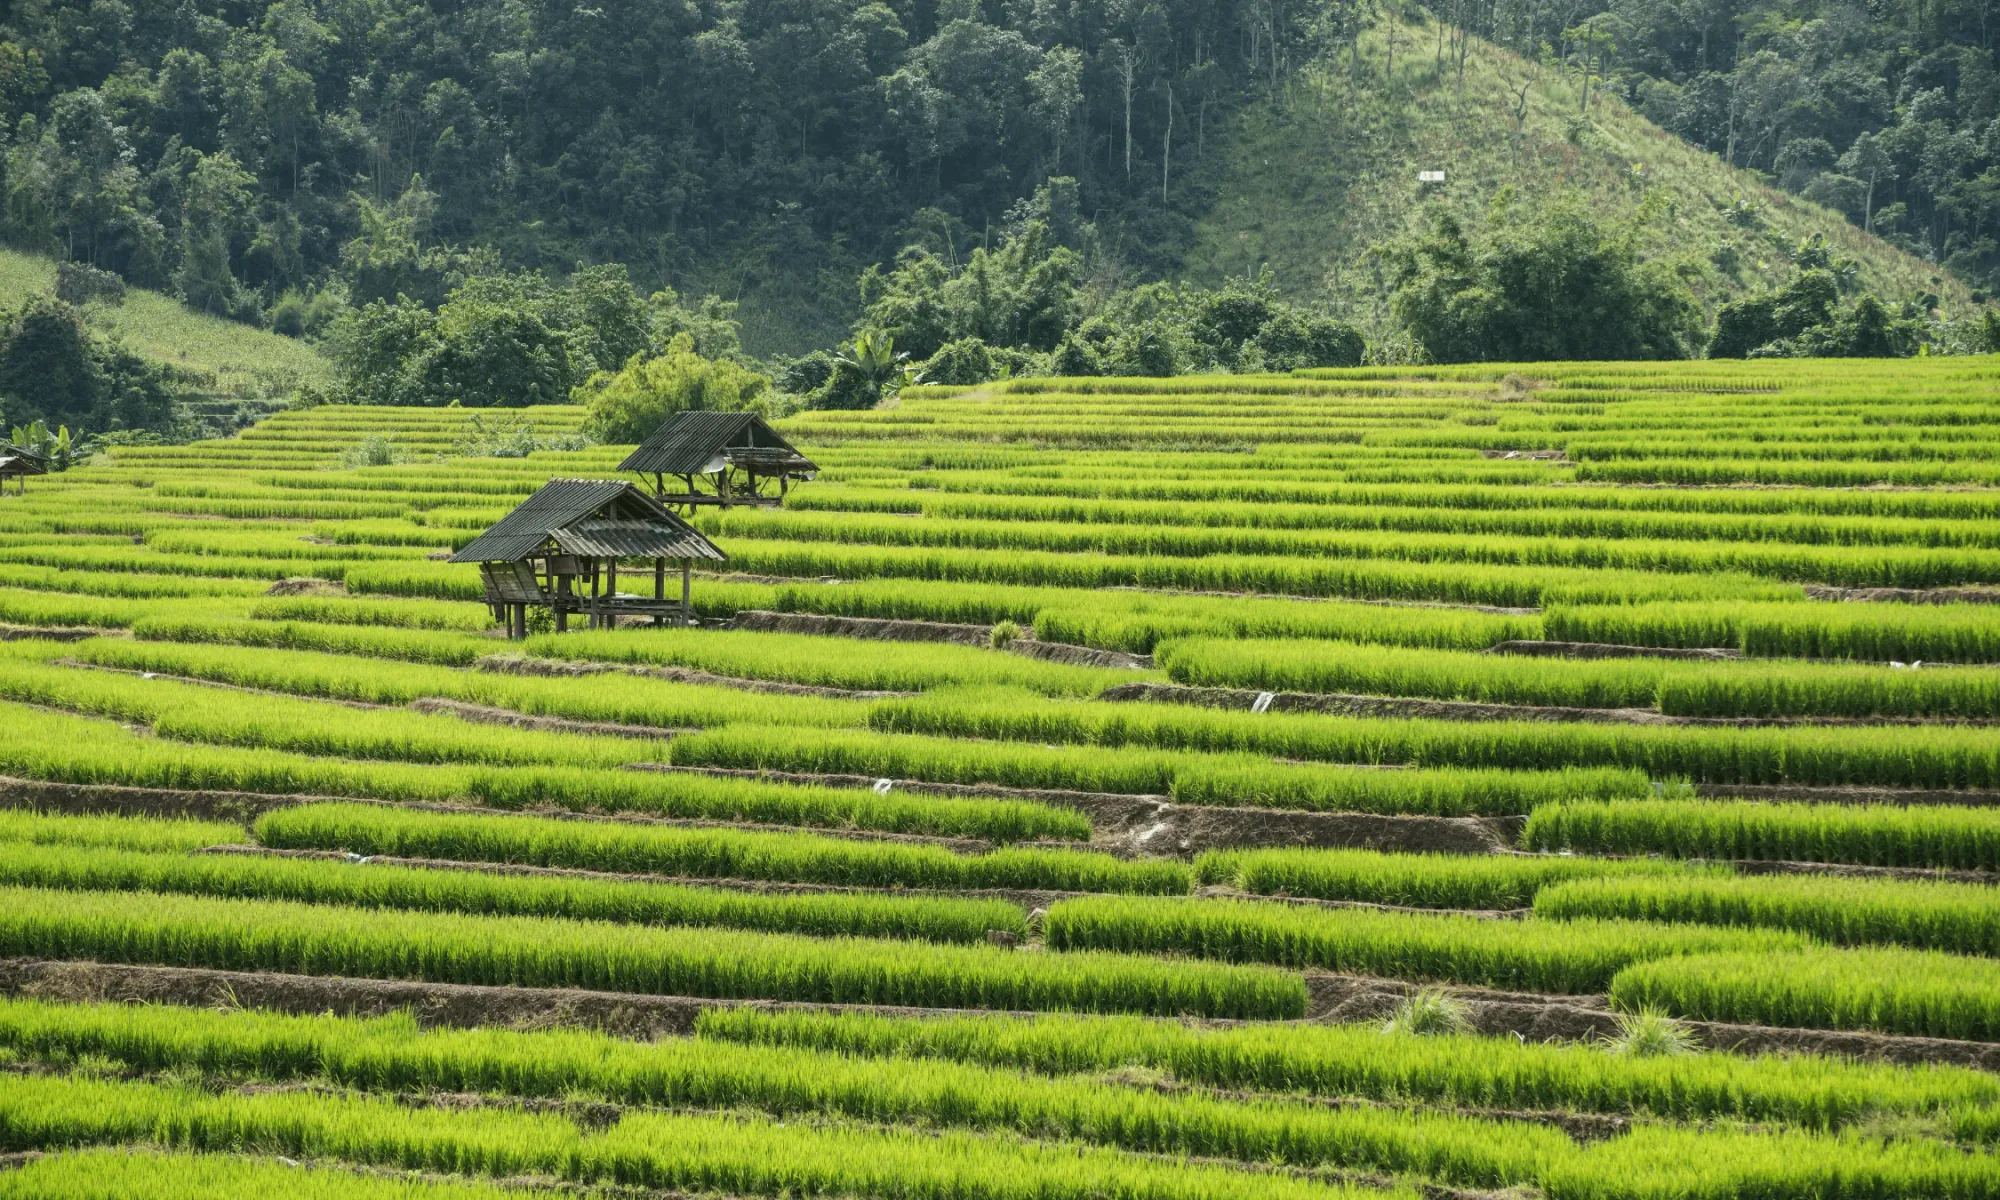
1315,180
237,361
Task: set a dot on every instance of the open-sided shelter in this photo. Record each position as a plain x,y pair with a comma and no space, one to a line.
18,464
719,458
561,548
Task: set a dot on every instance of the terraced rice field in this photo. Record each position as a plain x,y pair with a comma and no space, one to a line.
1578,781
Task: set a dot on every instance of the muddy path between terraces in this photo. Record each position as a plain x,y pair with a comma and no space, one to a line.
1334,999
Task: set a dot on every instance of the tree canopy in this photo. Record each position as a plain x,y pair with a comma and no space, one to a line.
1553,285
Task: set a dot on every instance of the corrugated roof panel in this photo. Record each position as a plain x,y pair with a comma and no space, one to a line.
633,539
689,442
628,516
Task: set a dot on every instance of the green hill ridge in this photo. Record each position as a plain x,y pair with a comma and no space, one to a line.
1320,176
234,367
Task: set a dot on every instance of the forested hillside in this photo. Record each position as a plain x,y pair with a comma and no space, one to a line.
1325,174
285,162
764,151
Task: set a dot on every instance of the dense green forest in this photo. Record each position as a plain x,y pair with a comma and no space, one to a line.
1016,184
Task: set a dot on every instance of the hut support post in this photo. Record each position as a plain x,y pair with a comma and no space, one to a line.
687,590
659,588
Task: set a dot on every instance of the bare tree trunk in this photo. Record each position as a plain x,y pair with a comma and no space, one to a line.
1128,71
1167,145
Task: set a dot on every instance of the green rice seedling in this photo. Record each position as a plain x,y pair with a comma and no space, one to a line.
266,935
1422,880
620,698
1826,690
123,584
52,746
19,825
97,868
1356,1060
1300,665
1554,956
1429,1012
22,606
828,661
1847,566
1895,991
191,712
136,560
144,1175
1963,633
1962,918
429,581
1722,689
1235,779
1880,835
1192,778
403,614
676,1152
1650,1033
1933,757
784,1082
938,759
1376,579
705,853
445,648
1574,512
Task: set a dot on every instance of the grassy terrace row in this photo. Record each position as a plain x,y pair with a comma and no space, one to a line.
445,947
84,852
1694,689
1359,1060
71,749
147,1175
68,749
1373,579
1869,834
1861,566
1565,513
1754,976
1966,633
1580,952
820,1060
749,1156
706,853
803,747
1271,480
91,868
1932,757
1132,621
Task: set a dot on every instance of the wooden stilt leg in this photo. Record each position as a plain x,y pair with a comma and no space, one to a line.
687,591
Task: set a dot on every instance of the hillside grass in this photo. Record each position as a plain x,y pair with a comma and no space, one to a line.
1319,176
230,359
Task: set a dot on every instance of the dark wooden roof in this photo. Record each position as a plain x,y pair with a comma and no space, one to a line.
16,461
598,518
695,443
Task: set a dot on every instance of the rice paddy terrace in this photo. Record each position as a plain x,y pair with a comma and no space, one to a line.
1576,780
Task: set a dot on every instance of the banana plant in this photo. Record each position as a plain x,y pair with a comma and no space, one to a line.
873,357
55,449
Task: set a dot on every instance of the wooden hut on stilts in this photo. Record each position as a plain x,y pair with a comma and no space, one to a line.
719,459
561,548
17,464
